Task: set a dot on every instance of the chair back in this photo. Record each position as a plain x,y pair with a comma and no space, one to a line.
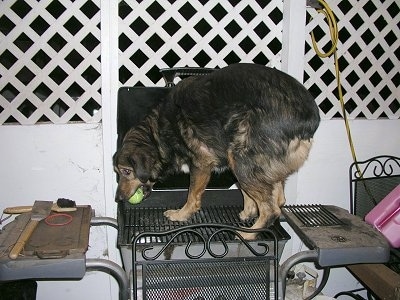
371,180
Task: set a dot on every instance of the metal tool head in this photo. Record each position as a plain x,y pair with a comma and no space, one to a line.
41,209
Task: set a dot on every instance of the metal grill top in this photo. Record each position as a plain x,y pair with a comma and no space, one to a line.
136,220
314,215
338,237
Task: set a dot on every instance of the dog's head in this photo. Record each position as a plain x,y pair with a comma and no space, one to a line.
134,166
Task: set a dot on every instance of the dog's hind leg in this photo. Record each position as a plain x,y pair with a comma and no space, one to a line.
199,178
279,194
269,200
250,209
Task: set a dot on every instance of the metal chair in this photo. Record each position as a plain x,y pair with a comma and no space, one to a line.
370,181
203,261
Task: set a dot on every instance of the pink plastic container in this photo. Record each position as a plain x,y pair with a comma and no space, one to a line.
386,217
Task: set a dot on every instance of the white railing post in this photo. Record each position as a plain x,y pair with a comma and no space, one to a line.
294,16
109,91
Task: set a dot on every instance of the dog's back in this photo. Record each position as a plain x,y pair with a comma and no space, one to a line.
246,106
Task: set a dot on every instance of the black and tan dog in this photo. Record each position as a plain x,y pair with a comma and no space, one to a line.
257,121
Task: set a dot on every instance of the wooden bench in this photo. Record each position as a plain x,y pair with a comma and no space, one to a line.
379,279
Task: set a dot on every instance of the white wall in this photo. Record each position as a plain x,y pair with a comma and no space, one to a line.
51,161
47,162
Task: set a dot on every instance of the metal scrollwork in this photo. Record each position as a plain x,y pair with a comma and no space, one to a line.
205,242
237,234
378,166
147,249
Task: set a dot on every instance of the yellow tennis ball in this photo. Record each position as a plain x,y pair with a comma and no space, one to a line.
137,197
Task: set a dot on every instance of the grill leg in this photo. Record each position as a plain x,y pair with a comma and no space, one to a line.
304,256
113,269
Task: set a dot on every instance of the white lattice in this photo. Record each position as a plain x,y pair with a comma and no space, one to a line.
50,61
160,34
369,59
50,52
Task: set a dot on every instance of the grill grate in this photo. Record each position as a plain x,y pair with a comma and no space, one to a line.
314,215
150,219
198,259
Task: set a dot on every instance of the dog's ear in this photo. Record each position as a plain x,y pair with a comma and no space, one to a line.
142,166
114,158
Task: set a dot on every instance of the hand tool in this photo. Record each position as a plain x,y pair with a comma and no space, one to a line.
40,210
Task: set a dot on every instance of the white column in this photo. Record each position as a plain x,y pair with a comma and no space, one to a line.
293,42
109,91
294,24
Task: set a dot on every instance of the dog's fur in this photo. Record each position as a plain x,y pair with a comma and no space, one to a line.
257,121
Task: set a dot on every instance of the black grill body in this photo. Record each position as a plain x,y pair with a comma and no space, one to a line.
203,258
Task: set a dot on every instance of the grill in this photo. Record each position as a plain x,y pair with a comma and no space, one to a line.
202,258
138,220
339,237
314,215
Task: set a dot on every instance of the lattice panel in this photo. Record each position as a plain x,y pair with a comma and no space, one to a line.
50,61
369,51
160,34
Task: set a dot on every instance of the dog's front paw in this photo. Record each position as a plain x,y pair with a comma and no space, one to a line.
175,215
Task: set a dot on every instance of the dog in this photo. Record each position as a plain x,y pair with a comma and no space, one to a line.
257,121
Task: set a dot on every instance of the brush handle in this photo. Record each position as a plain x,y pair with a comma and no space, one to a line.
17,210
23,238
25,209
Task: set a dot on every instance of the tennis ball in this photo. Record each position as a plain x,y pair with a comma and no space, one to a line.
137,197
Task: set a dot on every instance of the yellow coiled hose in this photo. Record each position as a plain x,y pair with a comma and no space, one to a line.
334,33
